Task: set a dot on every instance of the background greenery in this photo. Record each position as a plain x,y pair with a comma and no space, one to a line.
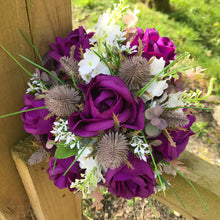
192,25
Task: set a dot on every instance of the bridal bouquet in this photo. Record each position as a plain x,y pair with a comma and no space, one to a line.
110,107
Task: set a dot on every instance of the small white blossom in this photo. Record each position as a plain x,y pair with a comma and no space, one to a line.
35,85
140,147
158,188
62,133
127,48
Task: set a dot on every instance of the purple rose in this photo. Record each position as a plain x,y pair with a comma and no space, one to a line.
128,183
34,121
106,95
180,137
78,37
154,45
60,168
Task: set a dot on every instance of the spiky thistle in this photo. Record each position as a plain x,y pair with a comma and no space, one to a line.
174,118
135,72
62,100
112,150
69,64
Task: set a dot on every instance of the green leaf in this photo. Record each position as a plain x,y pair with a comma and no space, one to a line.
65,152
77,157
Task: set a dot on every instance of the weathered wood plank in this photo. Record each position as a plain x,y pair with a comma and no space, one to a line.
206,179
48,19
41,21
13,200
48,202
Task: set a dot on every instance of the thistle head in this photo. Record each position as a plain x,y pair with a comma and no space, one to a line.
112,150
135,72
62,100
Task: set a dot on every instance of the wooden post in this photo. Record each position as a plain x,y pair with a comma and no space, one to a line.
47,201
41,21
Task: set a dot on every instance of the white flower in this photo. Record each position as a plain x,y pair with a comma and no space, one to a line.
140,147
101,68
35,85
156,88
156,66
89,163
91,66
90,61
106,31
62,133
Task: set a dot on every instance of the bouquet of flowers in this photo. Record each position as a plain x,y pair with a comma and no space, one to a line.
109,106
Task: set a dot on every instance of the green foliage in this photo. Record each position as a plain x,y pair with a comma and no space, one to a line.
200,128
65,152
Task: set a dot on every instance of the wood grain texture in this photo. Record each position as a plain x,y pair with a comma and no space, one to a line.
13,200
206,179
41,21
48,202
48,19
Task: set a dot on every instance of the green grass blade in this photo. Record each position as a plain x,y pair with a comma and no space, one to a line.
74,82
151,205
194,190
54,164
77,157
35,49
105,62
155,165
40,67
172,190
141,91
16,61
207,109
28,110
134,210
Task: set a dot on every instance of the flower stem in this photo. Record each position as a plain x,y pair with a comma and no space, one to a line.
208,109
77,157
149,199
155,165
135,214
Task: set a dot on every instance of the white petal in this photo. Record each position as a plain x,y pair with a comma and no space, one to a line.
157,66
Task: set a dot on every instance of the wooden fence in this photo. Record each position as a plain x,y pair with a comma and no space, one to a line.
41,21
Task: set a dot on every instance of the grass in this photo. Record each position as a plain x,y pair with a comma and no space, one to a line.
192,25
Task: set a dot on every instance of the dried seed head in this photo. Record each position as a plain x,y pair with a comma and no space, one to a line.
62,100
135,72
174,118
112,150
69,64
